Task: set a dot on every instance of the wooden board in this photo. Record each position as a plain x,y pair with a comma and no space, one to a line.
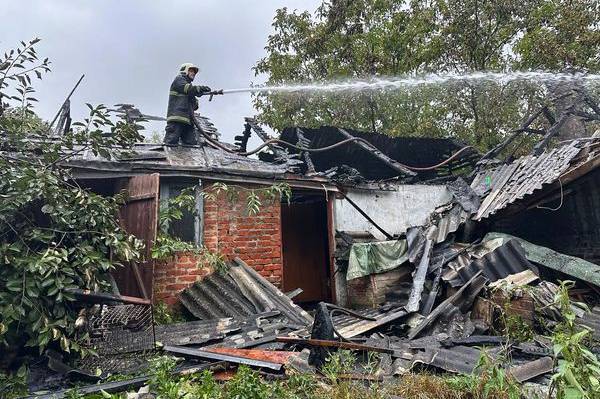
139,217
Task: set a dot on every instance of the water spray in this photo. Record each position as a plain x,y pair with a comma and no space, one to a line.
395,84
408,82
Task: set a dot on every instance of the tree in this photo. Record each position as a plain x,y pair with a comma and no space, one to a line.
349,39
54,235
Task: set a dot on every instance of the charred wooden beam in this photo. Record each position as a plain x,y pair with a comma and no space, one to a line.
517,132
279,152
305,143
376,152
588,116
555,129
549,115
242,140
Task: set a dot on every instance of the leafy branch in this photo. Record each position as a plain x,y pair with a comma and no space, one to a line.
578,368
54,234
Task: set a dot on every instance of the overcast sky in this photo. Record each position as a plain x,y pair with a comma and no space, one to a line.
130,51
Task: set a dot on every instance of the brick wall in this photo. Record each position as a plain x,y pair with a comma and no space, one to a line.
173,275
229,230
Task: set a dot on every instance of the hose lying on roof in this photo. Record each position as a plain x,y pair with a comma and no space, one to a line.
218,145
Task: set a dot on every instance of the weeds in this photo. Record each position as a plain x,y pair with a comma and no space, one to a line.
493,380
165,315
247,384
578,369
15,385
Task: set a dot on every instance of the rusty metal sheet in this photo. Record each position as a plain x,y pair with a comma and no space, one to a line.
205,354
281,357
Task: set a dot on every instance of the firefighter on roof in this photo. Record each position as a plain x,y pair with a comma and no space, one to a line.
182,104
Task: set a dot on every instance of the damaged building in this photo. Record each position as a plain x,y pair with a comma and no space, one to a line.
405,247
292,243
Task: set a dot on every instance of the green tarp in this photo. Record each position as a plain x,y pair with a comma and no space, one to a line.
571,265
376,257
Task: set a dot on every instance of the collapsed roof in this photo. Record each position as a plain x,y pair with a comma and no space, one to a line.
386,157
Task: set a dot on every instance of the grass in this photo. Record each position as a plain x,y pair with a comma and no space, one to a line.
248,384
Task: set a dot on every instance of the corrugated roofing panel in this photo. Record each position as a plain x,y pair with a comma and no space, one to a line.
509,183
570,265
458,359
239,294
505,260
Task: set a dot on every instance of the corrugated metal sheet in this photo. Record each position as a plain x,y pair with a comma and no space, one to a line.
458,359
505,260
592,320
448,222
240,293
509,183
571,265
195,332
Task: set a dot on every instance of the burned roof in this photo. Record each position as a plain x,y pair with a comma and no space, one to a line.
509,183
201,160
411,151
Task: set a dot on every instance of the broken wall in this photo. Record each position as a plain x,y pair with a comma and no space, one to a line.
395,211
228,229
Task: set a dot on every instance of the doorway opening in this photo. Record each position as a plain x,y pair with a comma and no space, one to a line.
305,246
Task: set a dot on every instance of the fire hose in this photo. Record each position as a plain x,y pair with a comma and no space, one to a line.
267,143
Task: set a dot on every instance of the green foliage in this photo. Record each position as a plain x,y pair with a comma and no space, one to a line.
155,137
17,67
339,362
164,383
363,39
166,246
578,372
254,197
205,387
54,235
15,385
488,381
493,380
247,384
164,315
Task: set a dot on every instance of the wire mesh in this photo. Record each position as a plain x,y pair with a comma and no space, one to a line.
120,329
